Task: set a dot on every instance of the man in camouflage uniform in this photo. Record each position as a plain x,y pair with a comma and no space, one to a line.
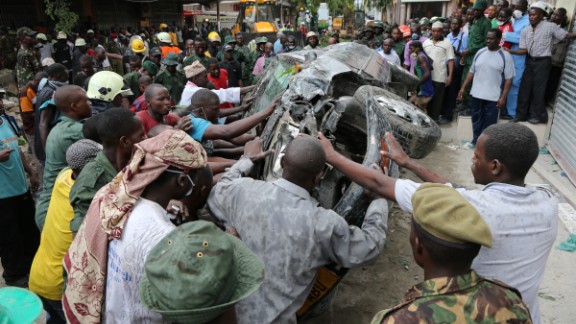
27,63
248,65
446,235
237,55
172,79
7,52
115,47
378,31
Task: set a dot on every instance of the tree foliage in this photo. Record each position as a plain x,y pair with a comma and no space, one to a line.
378,4
59,11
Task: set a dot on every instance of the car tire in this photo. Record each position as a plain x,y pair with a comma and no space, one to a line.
415,131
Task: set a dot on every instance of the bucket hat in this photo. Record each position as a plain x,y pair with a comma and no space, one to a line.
171,59
197,272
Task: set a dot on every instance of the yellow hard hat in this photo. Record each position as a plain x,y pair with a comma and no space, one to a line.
164,37
214,37
137,46
163,25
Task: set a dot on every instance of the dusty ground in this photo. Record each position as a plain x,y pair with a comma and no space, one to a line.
365,291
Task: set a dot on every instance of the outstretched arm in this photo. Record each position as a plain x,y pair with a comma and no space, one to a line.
397,154
371,179
239,127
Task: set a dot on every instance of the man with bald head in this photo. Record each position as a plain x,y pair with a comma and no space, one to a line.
74,106
282,223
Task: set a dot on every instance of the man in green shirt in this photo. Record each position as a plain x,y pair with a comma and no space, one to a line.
118,130
237,55
172,79
74,106
479,27
399,44
199,54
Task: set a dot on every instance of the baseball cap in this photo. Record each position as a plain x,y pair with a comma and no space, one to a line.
228,48
25,31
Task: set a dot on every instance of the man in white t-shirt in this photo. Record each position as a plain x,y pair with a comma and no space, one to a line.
197,76
126,219
387,52
492,71
440,50
522,218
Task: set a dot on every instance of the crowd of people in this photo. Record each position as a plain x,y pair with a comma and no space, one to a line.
525,44
141,164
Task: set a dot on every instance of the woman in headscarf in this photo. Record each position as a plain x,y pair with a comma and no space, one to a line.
106,253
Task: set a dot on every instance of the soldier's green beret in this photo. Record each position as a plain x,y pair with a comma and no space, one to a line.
445,214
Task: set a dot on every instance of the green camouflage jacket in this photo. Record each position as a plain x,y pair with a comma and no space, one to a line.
26,66
466,298
7,52
173,82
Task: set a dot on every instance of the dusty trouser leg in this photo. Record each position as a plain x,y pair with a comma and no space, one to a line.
525,92
541,73
451,93
435,106
19,238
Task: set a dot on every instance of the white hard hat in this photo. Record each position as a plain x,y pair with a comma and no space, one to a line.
546,7
61,35
311,34
105,86
79,42
164,37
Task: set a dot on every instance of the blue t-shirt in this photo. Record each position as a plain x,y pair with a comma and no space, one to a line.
12,178
199,126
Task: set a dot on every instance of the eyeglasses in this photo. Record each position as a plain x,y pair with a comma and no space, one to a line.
188,176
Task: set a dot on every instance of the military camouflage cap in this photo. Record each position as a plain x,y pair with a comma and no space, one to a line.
150,67
378,24
25,31
197,272
445,214
229,39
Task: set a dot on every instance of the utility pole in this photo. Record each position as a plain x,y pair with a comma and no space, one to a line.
398,11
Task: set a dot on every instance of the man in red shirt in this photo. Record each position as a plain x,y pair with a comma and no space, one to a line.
159,102
218,76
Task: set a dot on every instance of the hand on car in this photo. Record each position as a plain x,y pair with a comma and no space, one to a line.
274,103
184,123
253,150
5,154
395,151
327,146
